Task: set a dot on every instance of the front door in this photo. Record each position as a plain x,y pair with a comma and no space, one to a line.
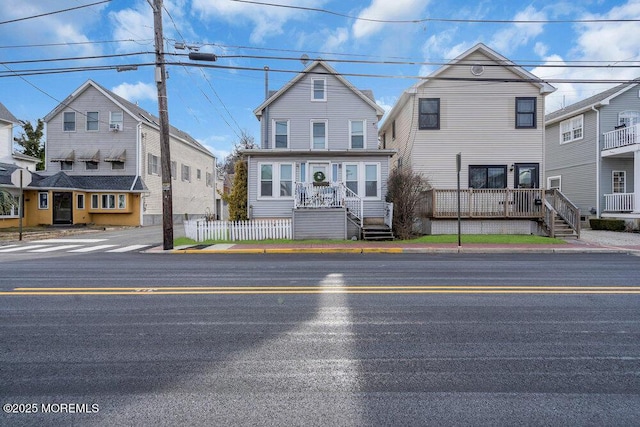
319,172
527,175
62,208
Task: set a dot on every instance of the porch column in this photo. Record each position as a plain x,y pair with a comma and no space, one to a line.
636,181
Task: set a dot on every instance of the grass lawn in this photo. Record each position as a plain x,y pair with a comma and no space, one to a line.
516,239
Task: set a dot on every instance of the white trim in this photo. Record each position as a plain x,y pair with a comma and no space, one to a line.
273,132
364,134
571,128
46,199
75,121
326,133
550,178
624,179
362,177
313,89
275,180
97,121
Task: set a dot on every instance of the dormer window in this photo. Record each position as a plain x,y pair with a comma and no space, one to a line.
318,89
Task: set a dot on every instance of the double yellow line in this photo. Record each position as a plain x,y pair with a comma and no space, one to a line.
263,290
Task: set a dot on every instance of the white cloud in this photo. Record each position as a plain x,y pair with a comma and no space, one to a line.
508,40
136,92
387,10
268,21
335,40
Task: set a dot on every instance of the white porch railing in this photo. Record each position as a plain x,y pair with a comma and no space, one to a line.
331,195
621,137
618,202
201,230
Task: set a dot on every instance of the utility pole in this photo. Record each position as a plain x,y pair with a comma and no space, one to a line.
163,113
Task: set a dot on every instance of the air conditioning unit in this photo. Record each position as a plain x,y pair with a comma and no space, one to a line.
114,127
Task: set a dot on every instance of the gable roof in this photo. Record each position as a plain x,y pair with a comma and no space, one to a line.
5,115
139,114
545,88
365,95
602,98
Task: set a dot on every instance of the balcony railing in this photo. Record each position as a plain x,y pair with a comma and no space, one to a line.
618,202
627,135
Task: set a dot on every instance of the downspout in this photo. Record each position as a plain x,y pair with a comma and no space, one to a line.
598,160
266,109
138,160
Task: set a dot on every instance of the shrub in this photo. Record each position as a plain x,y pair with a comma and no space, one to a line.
607,224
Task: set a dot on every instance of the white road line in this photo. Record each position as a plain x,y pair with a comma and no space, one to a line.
7,247
23,248
70,241
129,248
92,248
56,248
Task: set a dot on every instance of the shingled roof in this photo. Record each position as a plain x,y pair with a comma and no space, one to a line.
6,115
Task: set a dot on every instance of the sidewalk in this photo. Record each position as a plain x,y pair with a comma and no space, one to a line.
586,245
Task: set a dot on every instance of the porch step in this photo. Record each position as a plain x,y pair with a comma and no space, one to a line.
563,230
377,232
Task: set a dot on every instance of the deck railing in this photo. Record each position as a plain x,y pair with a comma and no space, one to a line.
627,135
618,202
331,195
563,207
484,203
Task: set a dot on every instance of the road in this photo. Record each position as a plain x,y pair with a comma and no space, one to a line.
157,339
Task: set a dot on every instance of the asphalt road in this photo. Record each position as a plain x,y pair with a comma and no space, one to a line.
321,340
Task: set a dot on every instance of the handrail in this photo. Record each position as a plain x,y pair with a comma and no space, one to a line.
549,218
569,212
353,203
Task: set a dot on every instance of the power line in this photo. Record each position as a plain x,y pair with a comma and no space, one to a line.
140,42
76,58
450,20
55,12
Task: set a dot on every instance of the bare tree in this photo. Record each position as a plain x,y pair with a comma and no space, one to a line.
404,189
227,166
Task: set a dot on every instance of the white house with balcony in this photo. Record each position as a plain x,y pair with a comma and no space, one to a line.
593,153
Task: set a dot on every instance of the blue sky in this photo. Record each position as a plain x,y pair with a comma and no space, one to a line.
216,105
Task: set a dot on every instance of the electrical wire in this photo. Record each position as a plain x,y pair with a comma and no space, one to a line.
55,12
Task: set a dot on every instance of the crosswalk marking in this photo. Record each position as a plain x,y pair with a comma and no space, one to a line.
22,248
70,241
129,248
92,248
54,248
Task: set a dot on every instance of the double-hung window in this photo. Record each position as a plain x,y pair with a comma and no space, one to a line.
186,173
526,113
281,133
318,89
363,179
571,129
94,201
488,176
357,133
69,119
429,113
276,180
152,164
92,121
108,201
116,120
319,134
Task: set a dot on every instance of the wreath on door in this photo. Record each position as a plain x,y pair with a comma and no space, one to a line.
319,176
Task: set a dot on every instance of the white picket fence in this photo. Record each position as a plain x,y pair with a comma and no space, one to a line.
262,229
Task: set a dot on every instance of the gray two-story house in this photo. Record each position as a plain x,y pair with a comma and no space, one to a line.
319,162
593,153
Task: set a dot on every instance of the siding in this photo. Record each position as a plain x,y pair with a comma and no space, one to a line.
341,106
476,119
320,224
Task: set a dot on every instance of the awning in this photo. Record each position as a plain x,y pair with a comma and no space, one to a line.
90,157
65,156
116,156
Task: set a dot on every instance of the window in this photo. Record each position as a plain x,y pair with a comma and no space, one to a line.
198,174
351,177
554,183
209,178
393,130
91,166
174,169
266,180
334,172
115,165
619,181
80,201
525,113
286,180
276,179
488,176
429,113
122,201
92,121
571,129
371,181
108,201
318,89
356,133
66,165
629,118
152,164
281,133
319,135
186,173
116,120
384,140
43,200
94,201
303,172
69,118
